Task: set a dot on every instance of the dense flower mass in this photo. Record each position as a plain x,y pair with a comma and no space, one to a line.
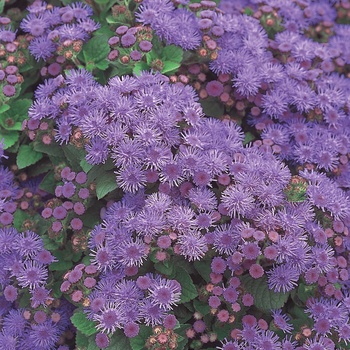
175,175
53,28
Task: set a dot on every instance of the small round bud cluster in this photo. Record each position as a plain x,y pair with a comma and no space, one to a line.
60,41
79,282
71,201
8,195
133,42
11,57
162,339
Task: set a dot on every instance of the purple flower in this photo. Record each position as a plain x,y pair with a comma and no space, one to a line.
109,318
7,35
97,151
131,329
36,25
192,245
165,293
281,321
40,296
102,340
42,48
237,200
103,258
32,274
247,82
131,253
283,278
151,313
28,244
44,335
14,324
131,179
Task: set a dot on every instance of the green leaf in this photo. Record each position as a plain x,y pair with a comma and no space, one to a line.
74,156
2,5
170,67
151,56
165,268
60,265
9,137
102,65
222,330
119,341
53,149
249,137
188,289
138,342
305,292
98,170
203,268
42,167
49,243
85,165
48,183
27,156
4,107
212,108
19,217
56,289
182,340
81,340
139,67
264,298
25,300
96,49
172,53
82,324
201,307
105,184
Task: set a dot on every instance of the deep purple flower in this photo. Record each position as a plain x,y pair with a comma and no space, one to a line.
109,318
42,48
14,324
32,275
283,278
36,25
44,335
165,293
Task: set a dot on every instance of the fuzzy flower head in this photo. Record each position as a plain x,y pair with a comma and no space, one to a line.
165,293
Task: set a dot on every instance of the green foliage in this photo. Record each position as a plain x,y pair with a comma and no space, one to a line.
82,324
201,307
188,289
48,183
74,156
95,51
249,137
2,5
203,268
10,137
27,156
264,298
105,184
138,342
212,107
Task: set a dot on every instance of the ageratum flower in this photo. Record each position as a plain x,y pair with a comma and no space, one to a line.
165,293
283,278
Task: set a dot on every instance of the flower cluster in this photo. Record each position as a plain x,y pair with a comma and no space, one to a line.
70,203
58,31
10,58
8,192
195,175
24,262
